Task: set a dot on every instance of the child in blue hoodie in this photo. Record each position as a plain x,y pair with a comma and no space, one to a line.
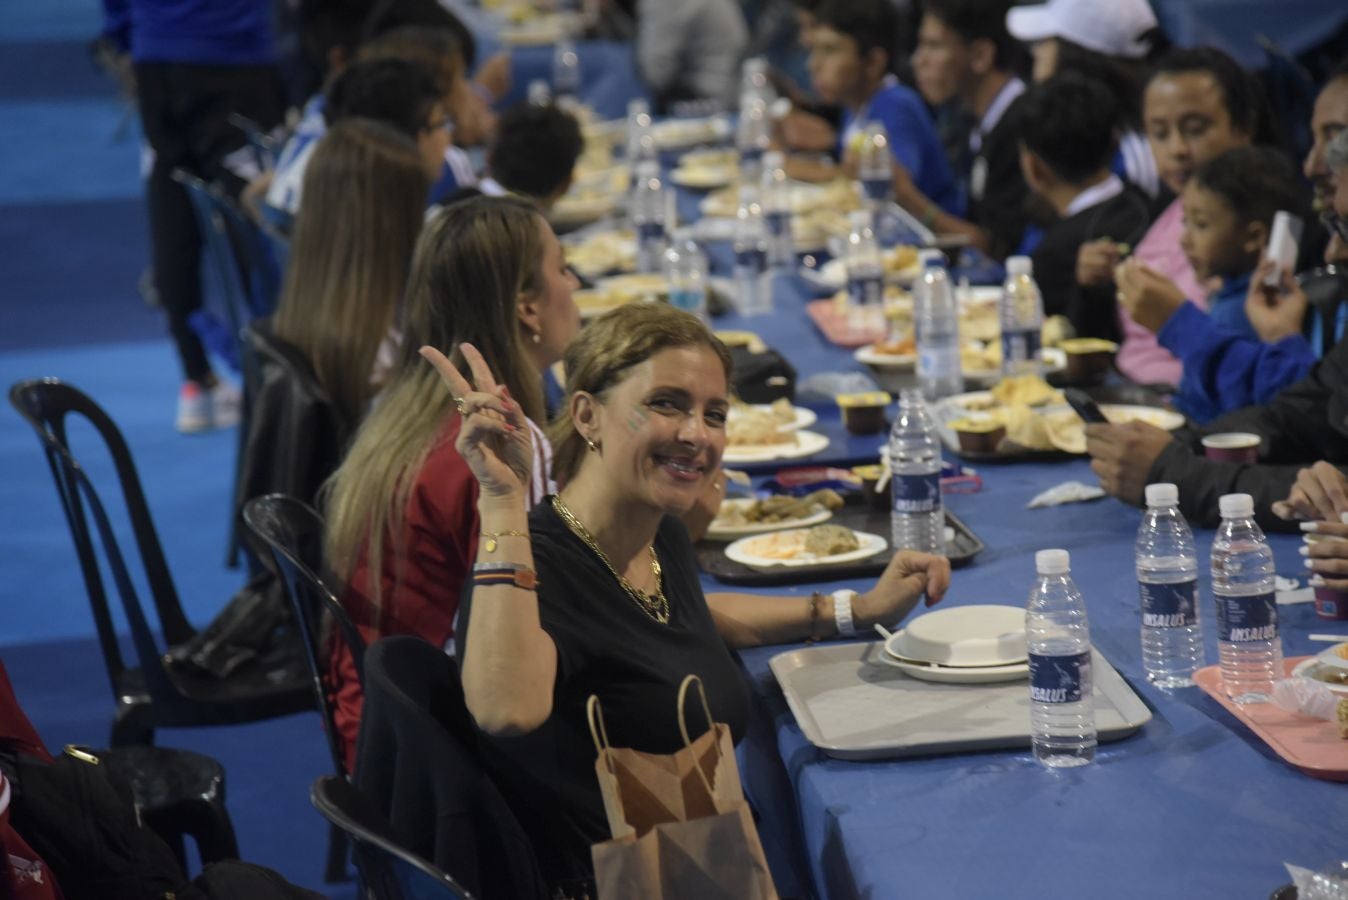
1229,205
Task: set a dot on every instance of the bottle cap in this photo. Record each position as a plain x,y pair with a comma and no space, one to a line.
1053,562
1236,506
1162,495
1019,265
648,168
774,159
637,106
859,219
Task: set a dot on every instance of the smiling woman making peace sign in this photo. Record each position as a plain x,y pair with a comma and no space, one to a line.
596,591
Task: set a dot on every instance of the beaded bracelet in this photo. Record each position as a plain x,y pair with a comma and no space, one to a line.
815,600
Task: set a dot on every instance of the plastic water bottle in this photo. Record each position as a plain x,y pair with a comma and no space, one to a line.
1247,614
753,288
936,322
775,194
640,138
754,79
1167,582
686,268
566,71
917,516
1058,639
865,273
1022,318
753,134
875,165
648,217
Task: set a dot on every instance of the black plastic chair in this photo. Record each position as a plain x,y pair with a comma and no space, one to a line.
151,695
179,793
1326,290
250,282
293,532
388,871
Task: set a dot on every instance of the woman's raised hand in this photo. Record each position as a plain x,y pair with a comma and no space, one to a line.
494,438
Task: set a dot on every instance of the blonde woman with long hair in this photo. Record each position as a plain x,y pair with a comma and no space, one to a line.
402,509
596,590
364,201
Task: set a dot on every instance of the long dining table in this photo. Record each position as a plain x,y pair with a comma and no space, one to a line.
1193,805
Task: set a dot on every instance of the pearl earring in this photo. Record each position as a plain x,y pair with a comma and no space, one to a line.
593,447
538,337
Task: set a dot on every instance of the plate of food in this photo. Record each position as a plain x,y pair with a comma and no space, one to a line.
703,177
900,262
1333,677
1335,657
819,545
602,252
674,133
577,209
981,363
773,444
900,354
781,413
742,516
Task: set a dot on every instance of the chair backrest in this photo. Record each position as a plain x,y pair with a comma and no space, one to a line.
417,759
1326,290
293,532
45,404
388,871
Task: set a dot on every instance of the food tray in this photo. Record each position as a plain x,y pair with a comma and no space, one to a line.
853,706
1311,745
837,328
855,514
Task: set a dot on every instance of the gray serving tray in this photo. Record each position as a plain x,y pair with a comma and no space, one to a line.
853,706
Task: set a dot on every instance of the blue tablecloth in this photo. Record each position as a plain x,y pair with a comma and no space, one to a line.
1192,806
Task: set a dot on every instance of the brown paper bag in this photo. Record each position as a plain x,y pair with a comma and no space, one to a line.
681,827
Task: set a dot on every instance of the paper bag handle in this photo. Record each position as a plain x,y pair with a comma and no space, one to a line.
711,726
595,714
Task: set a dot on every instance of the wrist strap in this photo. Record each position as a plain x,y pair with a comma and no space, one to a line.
842,612
519,575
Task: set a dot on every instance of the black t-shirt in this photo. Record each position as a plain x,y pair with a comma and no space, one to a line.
606,645
1125,217
997,191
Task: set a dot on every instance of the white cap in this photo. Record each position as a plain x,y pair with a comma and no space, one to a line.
648,168
1236,506
1111,27
1162,494
1019,265
637,106
1053,562
774,159
859,219
929,255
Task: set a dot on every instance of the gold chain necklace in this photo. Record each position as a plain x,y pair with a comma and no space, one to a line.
655,604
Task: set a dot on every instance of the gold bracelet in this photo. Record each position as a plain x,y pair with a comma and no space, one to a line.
491,537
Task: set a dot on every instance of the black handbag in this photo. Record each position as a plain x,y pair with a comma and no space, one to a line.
762,377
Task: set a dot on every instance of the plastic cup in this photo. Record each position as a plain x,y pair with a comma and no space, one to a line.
1232,446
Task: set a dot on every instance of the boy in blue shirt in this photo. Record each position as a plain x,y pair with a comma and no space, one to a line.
852,49
1229,205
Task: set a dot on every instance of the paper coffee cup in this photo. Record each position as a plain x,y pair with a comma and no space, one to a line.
1232,446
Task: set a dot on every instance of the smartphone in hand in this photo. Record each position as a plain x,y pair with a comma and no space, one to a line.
1084,406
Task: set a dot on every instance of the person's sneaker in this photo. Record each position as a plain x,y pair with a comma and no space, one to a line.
226,402
201,409
194,408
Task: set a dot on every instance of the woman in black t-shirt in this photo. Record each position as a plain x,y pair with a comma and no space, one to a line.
596,591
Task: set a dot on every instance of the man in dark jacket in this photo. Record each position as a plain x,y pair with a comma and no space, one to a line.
1305,423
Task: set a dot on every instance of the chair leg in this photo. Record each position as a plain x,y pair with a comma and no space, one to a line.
334,870
131,727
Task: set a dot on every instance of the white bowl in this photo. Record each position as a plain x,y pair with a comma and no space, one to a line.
983,635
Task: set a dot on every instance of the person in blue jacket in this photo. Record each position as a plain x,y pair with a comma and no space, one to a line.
852,56
1229,206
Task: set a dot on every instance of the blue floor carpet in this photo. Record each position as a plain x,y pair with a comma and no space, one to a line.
73,242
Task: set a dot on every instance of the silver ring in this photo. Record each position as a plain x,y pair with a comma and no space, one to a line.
461,405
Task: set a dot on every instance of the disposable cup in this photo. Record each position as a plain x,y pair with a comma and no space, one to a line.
1232,446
